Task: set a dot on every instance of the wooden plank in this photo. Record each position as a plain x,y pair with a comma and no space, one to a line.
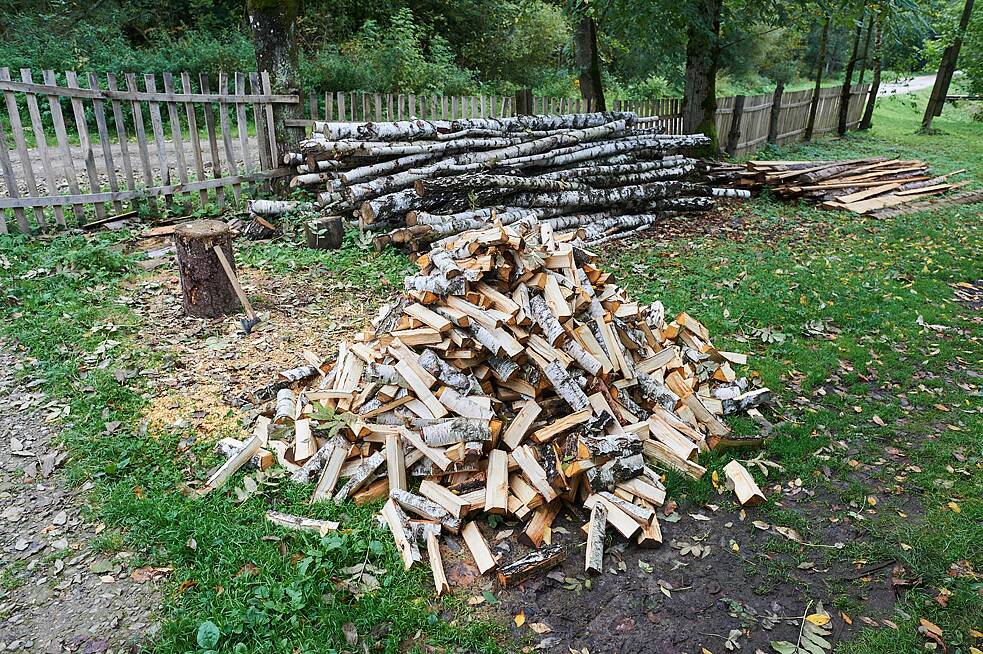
262,145
478,547
242,125
37,125
275,159
122,138
177,137
78,109
141,134
11,181
192,116
13,115
157,125
214,159
224,125
89,198
51,88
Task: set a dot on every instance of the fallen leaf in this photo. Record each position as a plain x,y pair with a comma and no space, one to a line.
540,627
520,618
818,619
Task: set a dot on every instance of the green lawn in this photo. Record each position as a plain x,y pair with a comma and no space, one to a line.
905,352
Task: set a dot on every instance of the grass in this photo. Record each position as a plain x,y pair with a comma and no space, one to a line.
869,279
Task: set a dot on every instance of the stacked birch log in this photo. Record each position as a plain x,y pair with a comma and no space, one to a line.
514,378
416,181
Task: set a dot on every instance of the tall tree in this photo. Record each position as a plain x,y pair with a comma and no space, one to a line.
865,57
947,67
589,61
875,83
847,88
702,61
273,24
820,65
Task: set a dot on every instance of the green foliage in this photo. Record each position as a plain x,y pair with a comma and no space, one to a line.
971,56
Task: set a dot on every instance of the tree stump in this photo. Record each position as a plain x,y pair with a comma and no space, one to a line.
325,234
206,291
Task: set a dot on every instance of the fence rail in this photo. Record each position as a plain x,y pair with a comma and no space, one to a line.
84,145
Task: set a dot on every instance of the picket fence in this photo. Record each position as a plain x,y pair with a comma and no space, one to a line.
205,137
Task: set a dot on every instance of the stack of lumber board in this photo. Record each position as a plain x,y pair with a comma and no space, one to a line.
513,377
863,186
417,181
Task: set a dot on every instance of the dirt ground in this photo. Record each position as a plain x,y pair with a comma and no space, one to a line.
58,591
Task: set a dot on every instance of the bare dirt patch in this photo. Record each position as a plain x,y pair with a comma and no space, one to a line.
58,591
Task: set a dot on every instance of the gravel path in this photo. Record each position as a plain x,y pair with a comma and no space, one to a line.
909,85
57,593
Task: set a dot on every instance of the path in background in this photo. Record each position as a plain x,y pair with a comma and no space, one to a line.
58,592
909,85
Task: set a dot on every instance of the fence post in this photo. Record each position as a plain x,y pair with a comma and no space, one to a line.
523,102
734,135
776,110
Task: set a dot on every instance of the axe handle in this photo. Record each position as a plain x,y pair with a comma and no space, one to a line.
236,286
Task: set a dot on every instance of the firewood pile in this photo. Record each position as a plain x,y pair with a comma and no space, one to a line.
416,181
515,378
863,186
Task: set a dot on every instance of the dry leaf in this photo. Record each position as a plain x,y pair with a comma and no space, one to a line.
520,618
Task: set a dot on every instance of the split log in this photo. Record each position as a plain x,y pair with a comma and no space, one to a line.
425,508
300,523
536,562
478,547
747,491
594,559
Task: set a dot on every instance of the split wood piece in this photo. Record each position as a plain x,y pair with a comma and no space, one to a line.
331,472
525,493
651,534
377,490
437,564
478,547
462,406
395,463
533,471
303,440
497,483
428,317
594,557
519,427
228,447
437,456
398,525
246,453
623,523
566,387
360,476
567,422
425,508
421,389
536,562
455,505
315,464
645,489
300,523
449,431
747,491
639,514
664,455
542,518
705,416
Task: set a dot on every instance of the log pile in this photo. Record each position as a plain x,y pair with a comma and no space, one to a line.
515,378
415,182
863,186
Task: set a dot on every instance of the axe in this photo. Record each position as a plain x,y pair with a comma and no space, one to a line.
251,320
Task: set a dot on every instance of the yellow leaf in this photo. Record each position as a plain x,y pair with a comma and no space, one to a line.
953,507
973,650
846,618
705,650
976,633
871,500
818,619
734,546
520,618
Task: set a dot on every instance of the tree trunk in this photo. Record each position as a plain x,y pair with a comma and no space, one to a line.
702,59
875,83
866,55
589,63
206,291
845,90
273,26
776,110
820,63
950,56
325,233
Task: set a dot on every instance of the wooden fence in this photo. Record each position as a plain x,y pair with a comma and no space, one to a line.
209,135
146,143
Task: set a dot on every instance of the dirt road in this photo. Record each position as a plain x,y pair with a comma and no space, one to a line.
909,85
